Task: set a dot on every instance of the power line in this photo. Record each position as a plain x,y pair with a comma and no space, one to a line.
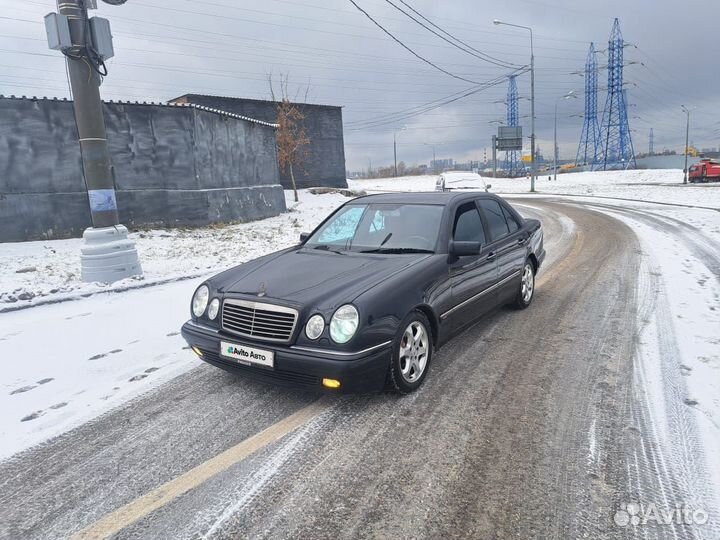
396,117
399,42
235,37
465,48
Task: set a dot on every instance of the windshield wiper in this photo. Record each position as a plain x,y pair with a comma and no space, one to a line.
325,247
398,250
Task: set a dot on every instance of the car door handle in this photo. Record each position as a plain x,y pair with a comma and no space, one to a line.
491,256
521,241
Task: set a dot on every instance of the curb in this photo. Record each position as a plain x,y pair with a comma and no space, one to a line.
79,296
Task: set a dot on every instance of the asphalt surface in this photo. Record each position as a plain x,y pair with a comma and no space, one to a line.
525,428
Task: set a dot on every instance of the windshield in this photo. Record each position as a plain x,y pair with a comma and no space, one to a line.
380,228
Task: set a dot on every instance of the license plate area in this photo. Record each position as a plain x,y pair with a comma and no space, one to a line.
249,356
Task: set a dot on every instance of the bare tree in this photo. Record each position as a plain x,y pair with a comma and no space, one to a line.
292,139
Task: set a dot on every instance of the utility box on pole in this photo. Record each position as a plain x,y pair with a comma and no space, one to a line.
102,37
57,28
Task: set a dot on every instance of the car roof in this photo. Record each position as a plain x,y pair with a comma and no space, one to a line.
418,197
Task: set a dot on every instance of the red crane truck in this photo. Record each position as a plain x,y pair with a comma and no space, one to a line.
707,170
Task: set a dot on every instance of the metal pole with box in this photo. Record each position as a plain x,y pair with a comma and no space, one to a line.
108,255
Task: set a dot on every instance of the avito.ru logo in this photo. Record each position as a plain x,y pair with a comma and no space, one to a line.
636,514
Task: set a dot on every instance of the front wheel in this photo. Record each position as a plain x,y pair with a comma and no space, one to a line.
411,354
527,286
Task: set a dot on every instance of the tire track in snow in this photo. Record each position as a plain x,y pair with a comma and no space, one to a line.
219,516
671,465
704,248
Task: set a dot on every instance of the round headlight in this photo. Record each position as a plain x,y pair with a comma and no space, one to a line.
213,309
200,300
315,326
344,323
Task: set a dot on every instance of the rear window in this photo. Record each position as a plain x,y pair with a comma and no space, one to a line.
495,218
513,225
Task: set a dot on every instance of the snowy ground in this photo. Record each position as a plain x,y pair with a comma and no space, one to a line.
66,363
58,370
45,271
664,186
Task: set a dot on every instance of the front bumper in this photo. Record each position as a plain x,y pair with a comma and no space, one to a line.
295,367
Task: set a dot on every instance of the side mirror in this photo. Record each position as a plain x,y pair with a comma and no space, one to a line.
304,236
487,187
464,249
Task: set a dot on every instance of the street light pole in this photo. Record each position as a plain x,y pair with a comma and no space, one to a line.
395,151
533,170
434,164
395,146
494,155
555,146
570,94
687,143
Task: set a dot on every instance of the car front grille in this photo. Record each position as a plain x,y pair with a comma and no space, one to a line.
266,322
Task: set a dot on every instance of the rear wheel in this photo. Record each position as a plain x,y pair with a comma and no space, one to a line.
527,286
411,354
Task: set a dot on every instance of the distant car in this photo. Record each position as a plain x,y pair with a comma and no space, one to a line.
366,299
460,180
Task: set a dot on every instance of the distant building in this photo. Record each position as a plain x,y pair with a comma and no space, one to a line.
325,164
442,164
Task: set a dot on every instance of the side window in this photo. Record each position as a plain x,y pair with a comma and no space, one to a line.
468,226
513,225
495,218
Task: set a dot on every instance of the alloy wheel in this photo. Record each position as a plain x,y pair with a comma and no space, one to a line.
414,351
528,283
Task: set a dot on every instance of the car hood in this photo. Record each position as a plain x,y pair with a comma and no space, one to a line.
307,276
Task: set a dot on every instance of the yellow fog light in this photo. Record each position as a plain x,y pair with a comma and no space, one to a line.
331,383
197,351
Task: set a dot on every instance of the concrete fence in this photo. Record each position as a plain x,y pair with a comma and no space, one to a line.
324,164
173,165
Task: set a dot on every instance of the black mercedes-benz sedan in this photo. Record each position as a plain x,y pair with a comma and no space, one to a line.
364,301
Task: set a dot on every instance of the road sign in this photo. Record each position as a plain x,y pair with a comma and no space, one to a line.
509,138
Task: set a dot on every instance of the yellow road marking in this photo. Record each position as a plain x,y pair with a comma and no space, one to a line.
168,492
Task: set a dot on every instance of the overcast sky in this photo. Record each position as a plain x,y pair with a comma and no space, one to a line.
165,48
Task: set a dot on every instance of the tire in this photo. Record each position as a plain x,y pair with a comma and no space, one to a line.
526,289
410,364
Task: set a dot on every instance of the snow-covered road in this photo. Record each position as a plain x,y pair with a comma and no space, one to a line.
678,352
496,441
